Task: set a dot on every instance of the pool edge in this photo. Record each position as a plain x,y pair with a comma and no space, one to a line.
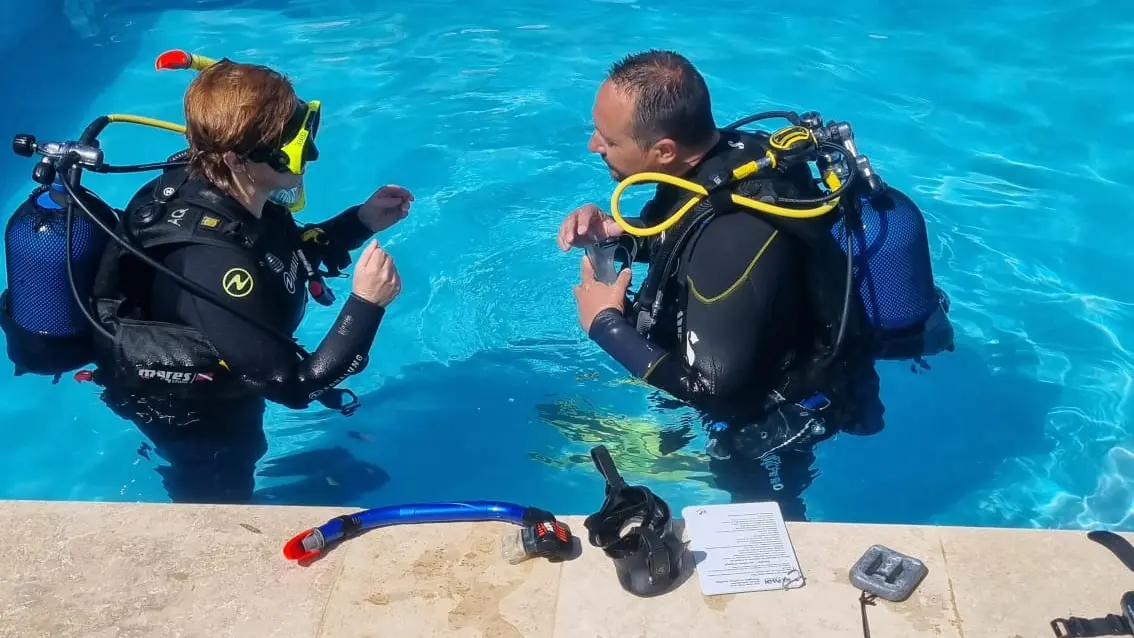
92,569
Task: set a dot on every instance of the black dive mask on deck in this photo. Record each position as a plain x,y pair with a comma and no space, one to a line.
634,528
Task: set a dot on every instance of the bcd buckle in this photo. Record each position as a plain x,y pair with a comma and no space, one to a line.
1074,627
333,399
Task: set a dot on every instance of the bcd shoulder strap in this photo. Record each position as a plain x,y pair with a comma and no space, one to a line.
714,174
186,212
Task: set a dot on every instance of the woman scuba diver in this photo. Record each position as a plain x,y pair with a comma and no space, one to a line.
193,371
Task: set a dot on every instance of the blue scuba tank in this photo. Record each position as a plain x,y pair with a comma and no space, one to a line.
46,331
893,274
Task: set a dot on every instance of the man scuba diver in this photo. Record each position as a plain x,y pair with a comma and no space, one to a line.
747,312
193,323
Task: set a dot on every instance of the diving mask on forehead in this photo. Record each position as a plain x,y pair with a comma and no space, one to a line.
297,149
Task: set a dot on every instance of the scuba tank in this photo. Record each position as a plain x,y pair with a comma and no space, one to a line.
893,275
46,331
892,262
888,247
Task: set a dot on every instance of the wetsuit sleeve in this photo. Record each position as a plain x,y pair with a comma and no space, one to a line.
248,349
329,243
742,286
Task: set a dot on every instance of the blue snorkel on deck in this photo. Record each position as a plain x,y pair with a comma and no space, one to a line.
540,533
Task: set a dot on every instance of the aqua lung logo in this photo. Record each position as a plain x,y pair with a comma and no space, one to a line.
237,282
169,376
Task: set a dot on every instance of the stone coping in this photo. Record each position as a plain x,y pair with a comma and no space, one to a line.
123,569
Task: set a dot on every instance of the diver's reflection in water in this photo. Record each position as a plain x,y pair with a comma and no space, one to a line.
331,476
645,448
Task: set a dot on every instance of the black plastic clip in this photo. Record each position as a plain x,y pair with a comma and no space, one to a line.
1074,627
1110,625
334,399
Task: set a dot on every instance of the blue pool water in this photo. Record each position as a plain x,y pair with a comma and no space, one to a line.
1005,121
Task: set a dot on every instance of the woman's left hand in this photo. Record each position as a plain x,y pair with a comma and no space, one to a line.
386,207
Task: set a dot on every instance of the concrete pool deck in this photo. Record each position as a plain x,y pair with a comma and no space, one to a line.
110,569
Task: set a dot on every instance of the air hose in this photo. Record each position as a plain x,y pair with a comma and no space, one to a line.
789,145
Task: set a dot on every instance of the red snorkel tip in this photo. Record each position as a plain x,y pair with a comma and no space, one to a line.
174,59
294,549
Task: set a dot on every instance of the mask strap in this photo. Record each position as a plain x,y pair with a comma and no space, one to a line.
605,465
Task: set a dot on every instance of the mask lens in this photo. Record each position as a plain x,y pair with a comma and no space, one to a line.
313,124
310,151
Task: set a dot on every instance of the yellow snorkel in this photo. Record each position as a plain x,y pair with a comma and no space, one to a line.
792,144
302,128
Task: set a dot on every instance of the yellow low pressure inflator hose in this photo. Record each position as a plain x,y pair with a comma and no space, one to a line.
700,193
146,121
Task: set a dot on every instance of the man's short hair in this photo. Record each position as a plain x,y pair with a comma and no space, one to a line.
671,98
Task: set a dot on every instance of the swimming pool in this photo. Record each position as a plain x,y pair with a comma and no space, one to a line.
481,385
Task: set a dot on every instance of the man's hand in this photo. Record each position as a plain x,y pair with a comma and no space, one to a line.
386,207
587,224
593,296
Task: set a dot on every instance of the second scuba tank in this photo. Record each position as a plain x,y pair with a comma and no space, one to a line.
47,333
894,275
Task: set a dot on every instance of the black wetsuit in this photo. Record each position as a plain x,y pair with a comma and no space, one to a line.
213,445
721,342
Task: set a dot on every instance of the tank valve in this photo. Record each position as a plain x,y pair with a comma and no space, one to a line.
89,155
44,172
811,120
24,145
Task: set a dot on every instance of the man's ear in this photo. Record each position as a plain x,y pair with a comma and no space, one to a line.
664,151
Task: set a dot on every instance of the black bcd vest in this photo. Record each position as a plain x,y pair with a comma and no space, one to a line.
154,357
655,306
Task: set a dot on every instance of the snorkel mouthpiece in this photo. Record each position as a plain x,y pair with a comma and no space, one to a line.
304,546
179,59
634,528
540,536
